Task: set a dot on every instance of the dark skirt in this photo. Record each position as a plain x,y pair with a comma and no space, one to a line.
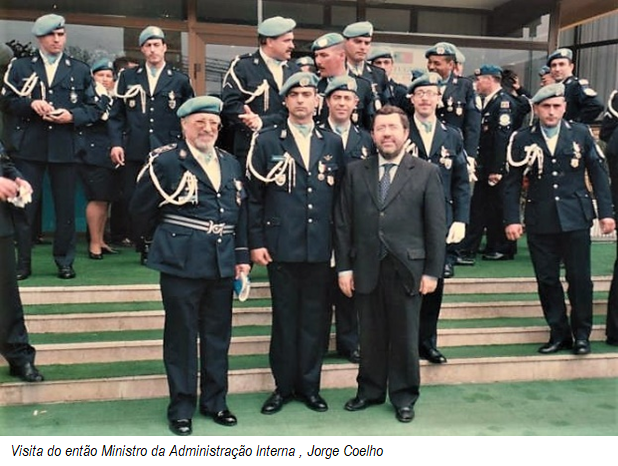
100,184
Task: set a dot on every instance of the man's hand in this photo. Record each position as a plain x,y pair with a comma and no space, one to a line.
41,107
456,233
117,156
261,256
428,284
346,283
60,117
493,179
471,169
241,268
8,188
252,120
608,225
514,231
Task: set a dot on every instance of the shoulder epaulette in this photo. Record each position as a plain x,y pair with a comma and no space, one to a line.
166,148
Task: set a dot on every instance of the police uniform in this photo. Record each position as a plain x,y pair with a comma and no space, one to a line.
290,214
583,104
558,216
394,93
250,82
38,145
199,236
609,134
140,120
497,125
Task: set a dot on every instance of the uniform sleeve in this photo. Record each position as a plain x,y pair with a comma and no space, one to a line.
144,206
241,239
117,115
597,171
511,183
90,111
233,98
13,103
343,224
610,118
503,130
472,124
589,103
460,186
257,193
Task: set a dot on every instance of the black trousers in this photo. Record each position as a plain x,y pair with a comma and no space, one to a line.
611,322
430,313
63,178
120,221
196,307
299,297
346,318
546,252
389,329
14,345
486,216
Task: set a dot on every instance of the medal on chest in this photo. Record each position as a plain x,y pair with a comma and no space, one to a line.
171,100
577,155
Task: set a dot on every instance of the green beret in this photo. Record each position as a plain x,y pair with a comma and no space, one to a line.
543,70
362,29
47,24
427,79
417,73
443,49
300,79
547,92
489,70
151,32
6,54
305,61
380,52
560,53
202,104
326,41
341,83
276,26
102,64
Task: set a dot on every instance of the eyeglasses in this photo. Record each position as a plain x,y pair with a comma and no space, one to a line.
425,93
213,124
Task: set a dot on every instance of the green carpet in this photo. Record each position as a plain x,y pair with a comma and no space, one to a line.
576,407
124,268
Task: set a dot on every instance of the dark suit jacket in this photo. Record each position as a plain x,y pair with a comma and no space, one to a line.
32,138
140,132
447,153
558,200
295,226
249,71
411,223
187,252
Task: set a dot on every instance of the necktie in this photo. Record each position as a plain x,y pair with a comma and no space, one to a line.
385,181
427,126
153,71
340,130
549,132
303,129
51,59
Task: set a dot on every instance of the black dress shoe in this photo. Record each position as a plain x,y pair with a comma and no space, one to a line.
611,341
432,355
315,403
497,256
274,403
95,256
405,414
449,271
224,418
23,273
66,272
357,403
181,427
27,372
581,347
465,260
554,346
352,356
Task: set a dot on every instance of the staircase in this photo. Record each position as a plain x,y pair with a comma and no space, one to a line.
104,342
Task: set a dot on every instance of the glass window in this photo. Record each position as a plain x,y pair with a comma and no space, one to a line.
150,9
305,16
438,22
228,11
218,58
388,19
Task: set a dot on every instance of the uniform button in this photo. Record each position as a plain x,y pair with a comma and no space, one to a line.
51,91
309,190
221,210
151,109
152,120
310,206
310,220
309,173
381,214
91,144
49,127
150,130
152,98
219,240
554,173
555,186
557,198
553,160
218,194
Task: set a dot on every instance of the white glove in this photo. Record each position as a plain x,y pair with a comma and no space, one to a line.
456,233
471,169
23,197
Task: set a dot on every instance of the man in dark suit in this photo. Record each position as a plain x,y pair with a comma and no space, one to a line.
499,112
250,94
390,227
47,97
583,105
14,345
441,145
191,196
341,99
609,135
555,156
294,174
143,116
